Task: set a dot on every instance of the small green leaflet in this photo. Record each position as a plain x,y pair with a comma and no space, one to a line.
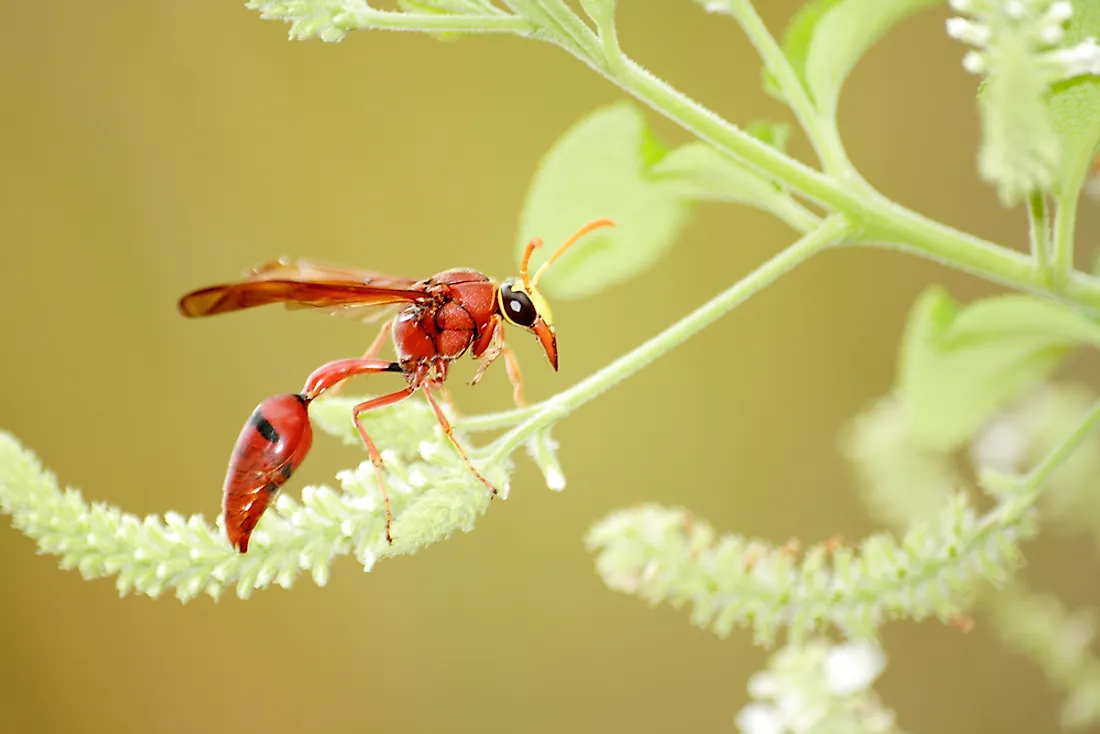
959,366
700,173
610,165
774,134
1075,107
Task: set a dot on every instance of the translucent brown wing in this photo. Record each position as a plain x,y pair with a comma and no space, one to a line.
312,271
306,284
329,295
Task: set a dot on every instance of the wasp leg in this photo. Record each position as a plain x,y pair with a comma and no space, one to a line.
446,425
372,450
514,375
497,348
372,351
332,374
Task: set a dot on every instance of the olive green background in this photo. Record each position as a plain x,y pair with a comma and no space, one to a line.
152,147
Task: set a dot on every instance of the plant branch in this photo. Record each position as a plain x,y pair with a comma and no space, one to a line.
1065,222
392,20
831,231
1039,474
1039,220
822,135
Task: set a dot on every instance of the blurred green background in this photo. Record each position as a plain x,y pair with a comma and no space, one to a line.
151,148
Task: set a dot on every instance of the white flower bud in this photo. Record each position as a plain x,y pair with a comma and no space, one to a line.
969,32
973,62
851,668
1084,58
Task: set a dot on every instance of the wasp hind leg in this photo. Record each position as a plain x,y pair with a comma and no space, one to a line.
372,450
446,425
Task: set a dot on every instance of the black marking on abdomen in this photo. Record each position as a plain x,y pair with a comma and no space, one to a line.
264,427
286,470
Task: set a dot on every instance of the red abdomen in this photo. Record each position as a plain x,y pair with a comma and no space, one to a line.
271,446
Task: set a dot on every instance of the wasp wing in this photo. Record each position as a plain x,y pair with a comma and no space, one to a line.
333,296
315,272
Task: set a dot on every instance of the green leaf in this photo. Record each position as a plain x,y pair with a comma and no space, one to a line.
959,366
1075,107
827,42
796,41
601,168
699,172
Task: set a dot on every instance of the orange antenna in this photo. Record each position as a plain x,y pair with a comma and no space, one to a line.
533,245
568,243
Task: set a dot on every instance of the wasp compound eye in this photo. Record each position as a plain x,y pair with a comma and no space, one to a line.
517,306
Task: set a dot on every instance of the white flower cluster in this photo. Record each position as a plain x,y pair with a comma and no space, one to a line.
1039,25
820,688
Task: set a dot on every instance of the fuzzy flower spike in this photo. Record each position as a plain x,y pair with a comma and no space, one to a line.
1019,47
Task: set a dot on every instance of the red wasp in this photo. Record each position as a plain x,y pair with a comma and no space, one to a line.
439,320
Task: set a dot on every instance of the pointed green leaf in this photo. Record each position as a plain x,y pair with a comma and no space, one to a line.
601,168
796,41
843,32
959,366
699,172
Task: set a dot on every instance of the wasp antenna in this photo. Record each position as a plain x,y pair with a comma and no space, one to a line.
533,245
593,225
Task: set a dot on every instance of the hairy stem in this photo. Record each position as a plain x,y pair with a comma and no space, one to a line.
831,231
1065,222
1039,219
391,20
1050,463
823,137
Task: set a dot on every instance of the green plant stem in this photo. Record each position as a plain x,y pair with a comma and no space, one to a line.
1065,222
824,138
392,20
1039,220
495,421
832,230
1041,472
877,217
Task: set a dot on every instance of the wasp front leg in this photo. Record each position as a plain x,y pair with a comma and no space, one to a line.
492,345
449,430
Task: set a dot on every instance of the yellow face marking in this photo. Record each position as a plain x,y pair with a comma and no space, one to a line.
542,306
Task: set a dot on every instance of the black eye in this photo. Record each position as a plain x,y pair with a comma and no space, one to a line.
517,306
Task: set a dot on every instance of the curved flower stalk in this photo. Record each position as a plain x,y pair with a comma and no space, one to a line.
433,495
665,555
937,569
901,480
